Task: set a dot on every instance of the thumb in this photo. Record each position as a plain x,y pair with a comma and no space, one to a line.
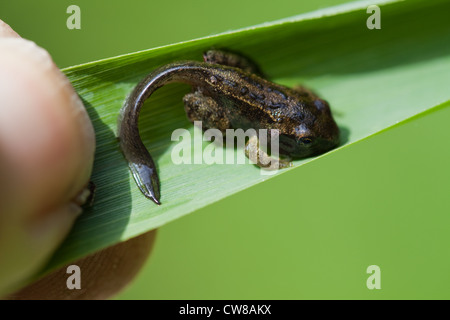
47,145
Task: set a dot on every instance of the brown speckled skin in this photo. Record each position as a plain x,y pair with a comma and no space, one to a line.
228,93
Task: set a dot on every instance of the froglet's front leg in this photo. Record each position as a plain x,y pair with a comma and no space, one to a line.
261,158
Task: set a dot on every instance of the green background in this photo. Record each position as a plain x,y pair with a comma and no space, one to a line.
383,201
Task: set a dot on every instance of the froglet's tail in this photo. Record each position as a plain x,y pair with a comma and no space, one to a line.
139,160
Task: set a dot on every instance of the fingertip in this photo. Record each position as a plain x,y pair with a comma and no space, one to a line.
47,146
45,131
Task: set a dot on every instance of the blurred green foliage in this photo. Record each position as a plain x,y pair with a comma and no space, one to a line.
113,27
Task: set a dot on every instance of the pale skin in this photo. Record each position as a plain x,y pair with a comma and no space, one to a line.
47,145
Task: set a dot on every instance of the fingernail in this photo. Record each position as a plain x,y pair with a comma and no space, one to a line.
82,197
74,209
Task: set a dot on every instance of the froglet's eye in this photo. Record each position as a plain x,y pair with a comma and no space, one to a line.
306,140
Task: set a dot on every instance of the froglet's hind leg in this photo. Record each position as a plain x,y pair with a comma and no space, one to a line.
199,107
86,195
231,59
261,158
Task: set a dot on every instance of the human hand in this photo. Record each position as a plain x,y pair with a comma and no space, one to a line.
47,145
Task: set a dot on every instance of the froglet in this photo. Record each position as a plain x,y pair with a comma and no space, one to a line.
228,91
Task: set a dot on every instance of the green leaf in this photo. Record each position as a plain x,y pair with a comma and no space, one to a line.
373,79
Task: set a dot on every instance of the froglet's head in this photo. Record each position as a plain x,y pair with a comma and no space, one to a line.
314,131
